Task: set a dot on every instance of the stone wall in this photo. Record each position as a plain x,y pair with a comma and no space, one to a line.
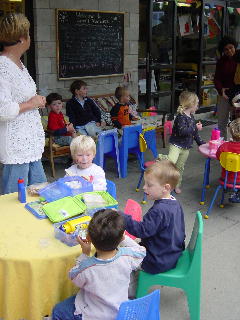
45,45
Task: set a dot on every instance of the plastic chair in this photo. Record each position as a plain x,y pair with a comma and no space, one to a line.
231,163
111,189
143,165
151,139
107,145
134,209
146,308
186,275
129,144
167,130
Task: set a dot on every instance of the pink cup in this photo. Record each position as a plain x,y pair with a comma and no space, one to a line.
215,134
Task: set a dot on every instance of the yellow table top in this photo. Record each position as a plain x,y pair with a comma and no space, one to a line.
33,264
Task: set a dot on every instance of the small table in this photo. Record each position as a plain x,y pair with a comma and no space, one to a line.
33,264
204,150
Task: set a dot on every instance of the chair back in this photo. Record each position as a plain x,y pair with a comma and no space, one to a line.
231,163
130,138
195,243
111,189
145,308
106,140
134,209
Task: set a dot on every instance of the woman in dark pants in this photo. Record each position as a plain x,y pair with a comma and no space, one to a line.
224,79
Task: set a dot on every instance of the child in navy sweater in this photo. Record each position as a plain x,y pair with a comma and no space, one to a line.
185,130
162,230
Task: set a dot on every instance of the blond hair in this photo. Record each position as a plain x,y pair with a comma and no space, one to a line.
235,129
82,144
13,26
165,172
187,100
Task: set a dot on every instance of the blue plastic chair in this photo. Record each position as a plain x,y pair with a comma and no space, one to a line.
129,144
111,189
146,308
231,163
107,145
151,139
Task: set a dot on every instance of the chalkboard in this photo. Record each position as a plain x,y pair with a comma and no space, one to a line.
89,43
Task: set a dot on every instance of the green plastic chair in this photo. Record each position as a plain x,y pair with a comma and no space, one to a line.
186,275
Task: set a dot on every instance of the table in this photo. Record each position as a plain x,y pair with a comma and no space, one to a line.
204,150
33,264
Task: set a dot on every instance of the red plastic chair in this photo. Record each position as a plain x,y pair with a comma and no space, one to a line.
133,209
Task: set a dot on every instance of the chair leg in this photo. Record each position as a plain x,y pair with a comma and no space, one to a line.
205,179
222,198
193,298
212,202
140,181
144,201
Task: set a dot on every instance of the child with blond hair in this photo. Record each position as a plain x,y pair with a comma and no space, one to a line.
184,131
83,151
234,147
162,230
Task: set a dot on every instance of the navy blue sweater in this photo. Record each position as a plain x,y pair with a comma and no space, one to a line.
184,132
162,232
80,116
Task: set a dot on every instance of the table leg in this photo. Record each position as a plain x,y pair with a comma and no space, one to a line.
205,180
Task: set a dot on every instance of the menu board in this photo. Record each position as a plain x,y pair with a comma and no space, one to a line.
89,43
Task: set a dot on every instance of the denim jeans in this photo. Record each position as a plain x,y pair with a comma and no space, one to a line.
89,129
63,140
65,310
223,111
31,172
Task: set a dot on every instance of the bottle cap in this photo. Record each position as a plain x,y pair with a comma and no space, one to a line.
20,180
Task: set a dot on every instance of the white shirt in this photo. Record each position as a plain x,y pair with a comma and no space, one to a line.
104,283
21,135
95,174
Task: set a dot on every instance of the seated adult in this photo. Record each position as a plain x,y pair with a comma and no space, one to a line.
83,113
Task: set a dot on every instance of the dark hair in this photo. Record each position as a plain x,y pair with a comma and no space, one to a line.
106,229
120,91
53,97
225,41
76,85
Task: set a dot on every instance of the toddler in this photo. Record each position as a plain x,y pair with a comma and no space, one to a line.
63,132
234,147
83,151
184,131
82,111
162,230
120,112
104,278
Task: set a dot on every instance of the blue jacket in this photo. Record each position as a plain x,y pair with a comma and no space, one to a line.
162,232
184,132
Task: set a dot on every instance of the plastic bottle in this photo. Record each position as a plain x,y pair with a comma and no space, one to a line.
21,190
215,134
71,225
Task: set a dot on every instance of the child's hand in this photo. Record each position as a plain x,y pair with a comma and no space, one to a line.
199,126
98,124
103,124
85,245
223,93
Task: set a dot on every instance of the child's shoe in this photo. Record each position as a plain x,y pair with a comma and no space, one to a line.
234,198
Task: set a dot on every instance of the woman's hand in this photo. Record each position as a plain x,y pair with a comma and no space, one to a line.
70,127
37,101
85,245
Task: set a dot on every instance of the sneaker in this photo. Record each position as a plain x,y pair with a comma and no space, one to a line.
234,198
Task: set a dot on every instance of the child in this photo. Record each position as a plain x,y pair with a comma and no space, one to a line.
162,230
184,131
83,151
62,131
120,112
82,111
232,146
103,279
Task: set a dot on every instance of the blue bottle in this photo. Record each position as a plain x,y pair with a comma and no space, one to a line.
21,190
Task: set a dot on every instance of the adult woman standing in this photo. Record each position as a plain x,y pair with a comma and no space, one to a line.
224,79
21,131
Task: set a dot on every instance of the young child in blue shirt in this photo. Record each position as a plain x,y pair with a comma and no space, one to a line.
162,230
185,130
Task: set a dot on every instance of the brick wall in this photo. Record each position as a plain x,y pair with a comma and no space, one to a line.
45,43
